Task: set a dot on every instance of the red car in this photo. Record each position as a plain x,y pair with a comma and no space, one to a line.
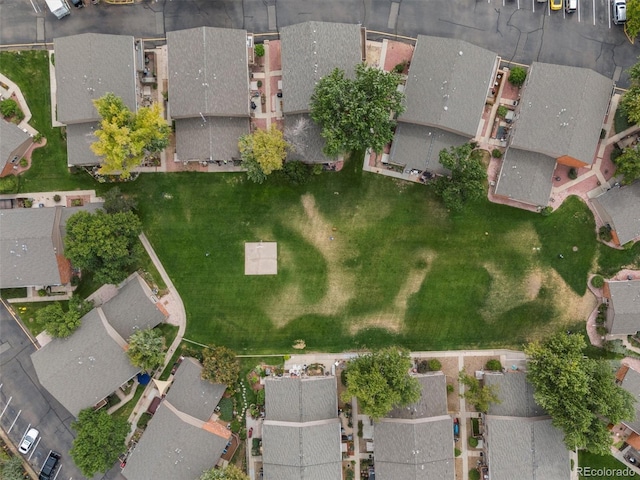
250,432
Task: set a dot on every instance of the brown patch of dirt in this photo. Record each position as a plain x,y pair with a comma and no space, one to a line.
373,53
533,282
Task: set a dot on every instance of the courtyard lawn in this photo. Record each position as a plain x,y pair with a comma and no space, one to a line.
598,467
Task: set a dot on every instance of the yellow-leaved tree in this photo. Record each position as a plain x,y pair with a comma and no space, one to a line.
125,138
262,152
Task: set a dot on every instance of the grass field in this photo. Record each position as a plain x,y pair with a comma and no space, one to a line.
598,467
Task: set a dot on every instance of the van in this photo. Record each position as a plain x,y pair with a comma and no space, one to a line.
60,8
619,11
570,6
49,467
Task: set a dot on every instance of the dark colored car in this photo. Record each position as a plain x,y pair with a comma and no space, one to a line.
49,467
77,3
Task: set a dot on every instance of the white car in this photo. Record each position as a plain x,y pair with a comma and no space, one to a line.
28,440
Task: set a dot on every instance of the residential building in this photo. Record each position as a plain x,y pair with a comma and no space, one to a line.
14,143
310,51
447,87
87,66
301,431
552,125
619,208
521,441
629,379
32,246
208,92
86,367
623,311
184,437
416,442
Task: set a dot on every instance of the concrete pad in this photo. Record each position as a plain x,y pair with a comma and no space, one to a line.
393,15
271,15
159,23
40,29
261,258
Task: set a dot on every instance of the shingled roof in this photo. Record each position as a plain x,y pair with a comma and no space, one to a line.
631,383
292,399
215,138
88,66
447,84
515,393
12,138
561,111
624,309
619,206
309,139
80,136
433,399
526,177
311,50
208,72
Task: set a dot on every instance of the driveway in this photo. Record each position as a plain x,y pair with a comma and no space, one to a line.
24,402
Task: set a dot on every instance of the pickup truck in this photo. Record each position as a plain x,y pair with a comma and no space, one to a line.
49,468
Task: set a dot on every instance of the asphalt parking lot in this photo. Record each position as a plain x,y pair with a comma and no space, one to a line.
25,403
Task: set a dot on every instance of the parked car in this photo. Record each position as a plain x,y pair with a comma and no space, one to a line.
570,6
456,427
28,440
49,468
619,11
77,3
555,4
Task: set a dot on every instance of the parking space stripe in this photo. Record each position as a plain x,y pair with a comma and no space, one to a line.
6,406
14,422
594,11
34,447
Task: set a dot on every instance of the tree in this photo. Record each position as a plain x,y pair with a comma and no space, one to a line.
12,469
115,201
265,149
99,440
579,393
356,114
380,381
220,365
146,349
630,102
480,396
231,472
105,244
632,25
517,76
126,137
628,164
467,180
61,324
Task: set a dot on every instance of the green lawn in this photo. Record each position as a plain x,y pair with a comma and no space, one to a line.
597,467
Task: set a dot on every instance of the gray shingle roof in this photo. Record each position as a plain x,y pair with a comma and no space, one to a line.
84,368
11,138
526,176
192,395
312,50
292,399
215,139
515,393
448,83
208,72
622,207
433,399
631,383
561,111
302,452
625,306
172,448
418,147
88,66
310,138
132,309
526,449
27,252
414,450
80,136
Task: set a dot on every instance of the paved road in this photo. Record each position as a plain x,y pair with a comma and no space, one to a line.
26,399
518,30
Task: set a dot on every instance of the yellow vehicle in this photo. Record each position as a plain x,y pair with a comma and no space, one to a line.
555,4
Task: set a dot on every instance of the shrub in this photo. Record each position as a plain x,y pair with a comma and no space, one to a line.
601,330
435,365
597,281
56,198
517,76
28,203
615,153
255,447
42,292
493,365
317,169
259,83
605,233
144,420
573,173
399,68
423,366
76,202
9,108
502,111
260,397
24,162
450,388
546,211
603,134
9,184
297,173
457,452
474,475
496,153
37,138
473,442
259,50
235,426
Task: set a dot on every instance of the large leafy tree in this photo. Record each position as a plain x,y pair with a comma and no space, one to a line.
467,180
126,137
115,201
99,440
355,114
628,165
220,365
105,244
231,472
579,393
146,349
630,102
632,25
265,149
380,381
61,324
12,469
480,396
